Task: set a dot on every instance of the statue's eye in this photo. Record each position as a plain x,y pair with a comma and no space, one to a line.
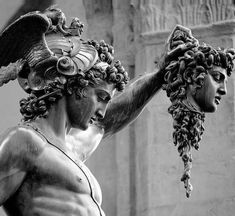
216,77
103,97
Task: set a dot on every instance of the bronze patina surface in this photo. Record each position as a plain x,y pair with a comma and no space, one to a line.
71,84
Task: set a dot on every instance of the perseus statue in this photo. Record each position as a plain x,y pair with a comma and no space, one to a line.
195,84
70,84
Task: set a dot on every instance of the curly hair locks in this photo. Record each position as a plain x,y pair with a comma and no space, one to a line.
191,69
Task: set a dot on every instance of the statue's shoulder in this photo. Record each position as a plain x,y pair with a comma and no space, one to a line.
21,141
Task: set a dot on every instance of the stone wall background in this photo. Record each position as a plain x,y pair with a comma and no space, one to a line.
139,169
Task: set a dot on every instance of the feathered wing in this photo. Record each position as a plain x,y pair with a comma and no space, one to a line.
23,39
9,73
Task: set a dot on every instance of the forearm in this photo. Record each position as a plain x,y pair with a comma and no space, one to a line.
126,106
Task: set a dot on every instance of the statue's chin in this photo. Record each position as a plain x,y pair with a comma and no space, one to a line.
206,108
192,105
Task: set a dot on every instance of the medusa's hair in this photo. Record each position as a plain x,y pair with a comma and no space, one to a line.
190,68
39,102
188,130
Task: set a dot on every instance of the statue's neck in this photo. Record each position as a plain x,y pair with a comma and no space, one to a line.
55,125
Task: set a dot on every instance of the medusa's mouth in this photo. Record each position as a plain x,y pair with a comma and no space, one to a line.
93,119
217,100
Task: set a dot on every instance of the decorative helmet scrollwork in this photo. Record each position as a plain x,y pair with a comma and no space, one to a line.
45,48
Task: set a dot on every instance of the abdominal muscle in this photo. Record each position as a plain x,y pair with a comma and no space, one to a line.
57,201
58,182
57,194
53,200
56,185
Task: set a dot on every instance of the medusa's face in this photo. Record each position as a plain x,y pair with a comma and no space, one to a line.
208,97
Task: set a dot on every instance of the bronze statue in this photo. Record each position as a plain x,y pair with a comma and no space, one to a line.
195,84
71,83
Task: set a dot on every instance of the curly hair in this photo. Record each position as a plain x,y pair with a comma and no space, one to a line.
191,69
39,102
188,130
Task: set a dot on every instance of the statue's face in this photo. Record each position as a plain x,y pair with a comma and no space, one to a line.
209,96
84,111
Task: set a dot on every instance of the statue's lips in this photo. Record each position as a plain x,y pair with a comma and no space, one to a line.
93,119
217,100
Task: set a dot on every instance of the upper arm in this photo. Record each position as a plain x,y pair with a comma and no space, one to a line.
118,115
15,153
10,181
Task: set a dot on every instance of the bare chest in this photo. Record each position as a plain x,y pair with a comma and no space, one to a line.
56,169
53,167
57,182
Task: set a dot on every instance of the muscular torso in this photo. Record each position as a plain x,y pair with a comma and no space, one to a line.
55,185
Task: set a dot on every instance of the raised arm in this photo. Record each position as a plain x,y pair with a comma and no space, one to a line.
126,106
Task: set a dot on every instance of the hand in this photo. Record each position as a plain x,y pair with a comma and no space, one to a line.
179,41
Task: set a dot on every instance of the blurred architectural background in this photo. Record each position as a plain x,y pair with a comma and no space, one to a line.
139,169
